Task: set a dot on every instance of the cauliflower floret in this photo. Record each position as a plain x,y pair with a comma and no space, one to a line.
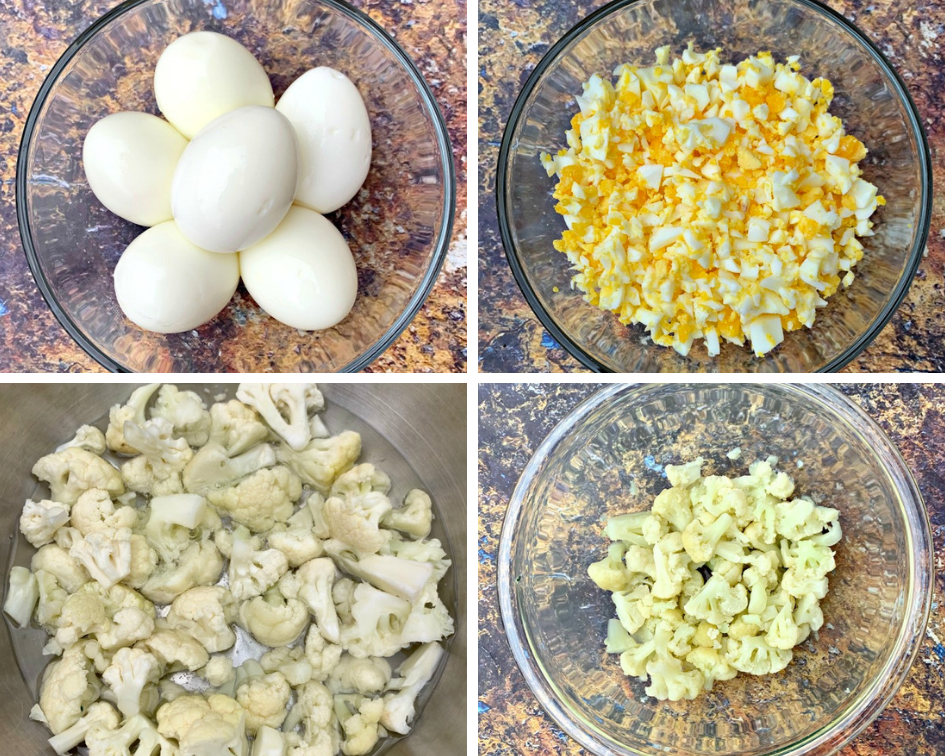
22,596
429,551
87,437
413,675
401,577
253,572
236,427
323,460
205,613
176,650
718,601
359,718
355,520
378,623
200,564
157,471
143,561
129,625
133,411
218,671
260,501
269,742
610,573
52,596
100,716
321,655
273,620
69,686
415,517
214,467
264,699
91,609
73,471
204,726
95,511
364,676
185,411
136,736
754,656
105,554
669,681
315,710
285,407
291,662
128,674
41,519
56,561
315,581
297,539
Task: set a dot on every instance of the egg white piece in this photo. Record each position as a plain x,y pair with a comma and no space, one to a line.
303,274
236,179
334,133
129,160
166,284
202,75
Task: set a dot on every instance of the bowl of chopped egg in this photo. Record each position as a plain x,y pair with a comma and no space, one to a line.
694,569
714,187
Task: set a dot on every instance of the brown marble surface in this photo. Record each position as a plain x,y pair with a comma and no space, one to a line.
515,418
513,37
32,37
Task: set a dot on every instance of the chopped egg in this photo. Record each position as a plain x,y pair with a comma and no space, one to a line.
709,201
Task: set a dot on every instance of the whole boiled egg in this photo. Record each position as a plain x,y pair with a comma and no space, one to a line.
129,160
166,284
236,179
303,274
334,134
202,75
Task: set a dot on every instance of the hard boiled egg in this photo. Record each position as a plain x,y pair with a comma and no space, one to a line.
166,284
203,75
334,134
129,160
303,273
236,179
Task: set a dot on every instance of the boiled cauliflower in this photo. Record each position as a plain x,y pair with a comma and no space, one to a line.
261,500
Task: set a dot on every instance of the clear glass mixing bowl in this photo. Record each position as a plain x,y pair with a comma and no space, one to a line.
870,98
398,225
607,458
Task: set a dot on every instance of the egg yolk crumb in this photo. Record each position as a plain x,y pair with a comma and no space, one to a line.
709,201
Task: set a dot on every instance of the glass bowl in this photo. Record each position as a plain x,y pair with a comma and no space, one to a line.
870,98
607,458
398,225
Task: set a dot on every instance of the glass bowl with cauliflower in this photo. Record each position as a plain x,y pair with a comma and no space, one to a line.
715,569
229,573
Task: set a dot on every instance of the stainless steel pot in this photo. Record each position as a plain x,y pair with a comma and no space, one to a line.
418,432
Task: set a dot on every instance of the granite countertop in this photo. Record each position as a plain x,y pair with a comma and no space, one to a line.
515,418
32,37
513,37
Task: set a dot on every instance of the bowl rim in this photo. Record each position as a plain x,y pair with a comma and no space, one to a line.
898,293
878,693
444,146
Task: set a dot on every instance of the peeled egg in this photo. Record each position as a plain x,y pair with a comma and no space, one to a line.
303,274
129,160
166,284
334,134
236,179
202,75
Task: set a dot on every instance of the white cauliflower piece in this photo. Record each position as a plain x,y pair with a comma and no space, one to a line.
205,613
297,539
105,554
99,716
73,471
323,460
186,413
56,561
128,674
290,661
143,561
176,650
315,710
218,671
69,686
91,609
213,726
285,407
52,596
171,522
261,500
136,736
321,655
264,699
401,577
269,742
200,564
273,620
366,676
40,520
414,674
415,517
22,596
253,572
94,511
87,437
354,510
315,581
132,411
236,427
157,470
129,625
378,623
428,550
213,467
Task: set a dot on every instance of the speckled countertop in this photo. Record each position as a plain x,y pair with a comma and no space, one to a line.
514,419
32,37
513,37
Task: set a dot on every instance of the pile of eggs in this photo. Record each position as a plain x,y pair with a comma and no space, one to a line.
232,185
